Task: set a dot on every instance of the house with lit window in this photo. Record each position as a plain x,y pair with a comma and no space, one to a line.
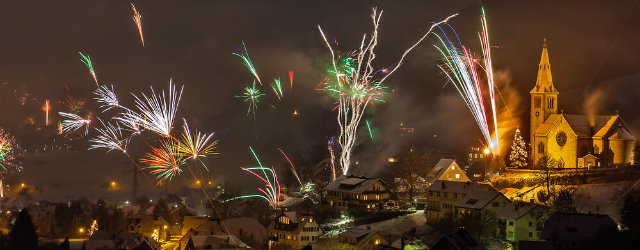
361,239
293,230
521,221
442,196
480,201
365,192
447,170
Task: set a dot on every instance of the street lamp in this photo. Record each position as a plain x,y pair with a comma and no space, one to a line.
486,154
415,201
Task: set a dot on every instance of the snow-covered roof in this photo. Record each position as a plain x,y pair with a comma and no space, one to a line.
515,210
350,184
478,199
457,187
355,232
246,226
576,226
217,240
442,167
545,127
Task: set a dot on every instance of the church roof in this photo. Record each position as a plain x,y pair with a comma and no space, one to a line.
582,124
544,82
544,128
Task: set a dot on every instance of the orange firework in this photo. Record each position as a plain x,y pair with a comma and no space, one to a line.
137,18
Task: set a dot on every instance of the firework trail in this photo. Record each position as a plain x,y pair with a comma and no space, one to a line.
74,122
110,138
370,132
164,161
357,85
486,54
277,88
271,192
137,18
157,112
244,54
60,127
291,78
333,158
195,145
460,68
293,169
87,61
75,105
106,98
46,109
5,147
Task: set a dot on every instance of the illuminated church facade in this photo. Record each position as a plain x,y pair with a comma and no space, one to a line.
574,141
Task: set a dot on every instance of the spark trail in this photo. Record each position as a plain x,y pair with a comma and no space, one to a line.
357,84
74,122
164,161
244,55
106,98
137,18
86,59
271,192
196,145
461,68
293,168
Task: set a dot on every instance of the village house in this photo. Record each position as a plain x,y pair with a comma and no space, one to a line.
571,231
293,231
480,201
447,170
521,221
443,195
362,239
358,191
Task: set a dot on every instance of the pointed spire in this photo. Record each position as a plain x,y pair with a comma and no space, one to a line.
544,82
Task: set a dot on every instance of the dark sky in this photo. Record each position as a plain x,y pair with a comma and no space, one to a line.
192,42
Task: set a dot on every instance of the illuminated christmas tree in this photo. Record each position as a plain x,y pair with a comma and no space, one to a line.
518,156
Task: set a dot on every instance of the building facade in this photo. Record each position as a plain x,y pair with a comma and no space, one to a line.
574,141
293,231
521,221
365,192
443,195
361,239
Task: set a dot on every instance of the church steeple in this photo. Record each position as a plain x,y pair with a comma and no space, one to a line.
544,82
544,101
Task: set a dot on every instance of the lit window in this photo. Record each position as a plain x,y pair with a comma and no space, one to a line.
377,241
284,220
288,237
377,197
457,176
453,167
310,220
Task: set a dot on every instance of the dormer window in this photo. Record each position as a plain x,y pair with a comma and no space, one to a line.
284,220
310,220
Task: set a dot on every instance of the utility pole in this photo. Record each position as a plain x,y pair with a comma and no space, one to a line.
134,187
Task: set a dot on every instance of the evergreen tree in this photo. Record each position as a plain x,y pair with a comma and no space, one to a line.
161,209
23,235
518,155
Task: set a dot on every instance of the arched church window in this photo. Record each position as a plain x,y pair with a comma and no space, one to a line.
550,103
537,102
596,149
541,148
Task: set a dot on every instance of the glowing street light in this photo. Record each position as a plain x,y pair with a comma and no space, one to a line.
22,185
113,183
486,154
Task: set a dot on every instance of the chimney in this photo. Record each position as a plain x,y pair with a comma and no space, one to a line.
591,131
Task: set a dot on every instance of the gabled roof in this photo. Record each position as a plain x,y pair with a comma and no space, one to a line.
355,232
478,199
515,210
544,128
351,184
457,187
442,167
461,240
576,226
622,133
583,124
297,221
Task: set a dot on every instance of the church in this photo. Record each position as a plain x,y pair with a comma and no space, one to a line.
574,141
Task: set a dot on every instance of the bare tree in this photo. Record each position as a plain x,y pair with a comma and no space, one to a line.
410,171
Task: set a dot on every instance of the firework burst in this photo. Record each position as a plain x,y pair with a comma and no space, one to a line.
110,138
157,112
358,84
74,105
86,59
461,68
137,18
244,54
164,161
251,96
130,120
106,98
196,145
74,122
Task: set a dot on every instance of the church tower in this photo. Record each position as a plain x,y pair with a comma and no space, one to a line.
544,97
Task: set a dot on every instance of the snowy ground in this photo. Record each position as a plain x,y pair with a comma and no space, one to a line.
395,226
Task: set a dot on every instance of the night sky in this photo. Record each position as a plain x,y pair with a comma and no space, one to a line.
593,48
